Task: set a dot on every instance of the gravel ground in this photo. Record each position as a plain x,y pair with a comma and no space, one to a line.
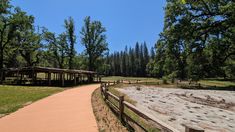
213,111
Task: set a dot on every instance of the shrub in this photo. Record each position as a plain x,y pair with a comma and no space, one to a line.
164,80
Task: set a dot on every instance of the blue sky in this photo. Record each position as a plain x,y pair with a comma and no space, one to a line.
126,21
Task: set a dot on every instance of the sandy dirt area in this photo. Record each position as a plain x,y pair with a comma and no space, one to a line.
68,111
213,111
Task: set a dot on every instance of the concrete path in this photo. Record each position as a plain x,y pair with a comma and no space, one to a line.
68,111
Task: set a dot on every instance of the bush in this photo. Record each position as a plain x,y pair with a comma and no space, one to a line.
172,77
164,80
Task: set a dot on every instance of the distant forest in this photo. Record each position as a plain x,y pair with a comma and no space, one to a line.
198,41
130,62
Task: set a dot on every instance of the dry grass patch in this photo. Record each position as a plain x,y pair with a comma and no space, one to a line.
106,120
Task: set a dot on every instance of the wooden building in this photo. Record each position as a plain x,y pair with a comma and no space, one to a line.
48,76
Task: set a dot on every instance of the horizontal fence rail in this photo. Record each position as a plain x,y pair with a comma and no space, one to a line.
121,104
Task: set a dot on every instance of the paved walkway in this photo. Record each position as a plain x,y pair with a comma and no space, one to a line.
68,111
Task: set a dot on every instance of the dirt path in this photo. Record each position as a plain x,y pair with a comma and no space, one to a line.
68,111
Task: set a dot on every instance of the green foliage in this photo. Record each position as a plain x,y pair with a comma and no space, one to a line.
70,32
23,44
129,63
197,41
5,7
164,80
58,49
94,40
172,77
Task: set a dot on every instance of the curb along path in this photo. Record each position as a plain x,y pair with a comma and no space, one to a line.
68,111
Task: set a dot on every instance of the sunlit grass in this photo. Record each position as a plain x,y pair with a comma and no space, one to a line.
206,83
144,79
217,83
14,97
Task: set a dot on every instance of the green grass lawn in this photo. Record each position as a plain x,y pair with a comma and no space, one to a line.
115,78
217,83
207,83
14,97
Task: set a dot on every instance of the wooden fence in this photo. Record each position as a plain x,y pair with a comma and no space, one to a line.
118,109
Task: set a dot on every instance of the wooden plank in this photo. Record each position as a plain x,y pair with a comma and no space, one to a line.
147,116
128,118
112,105
113,96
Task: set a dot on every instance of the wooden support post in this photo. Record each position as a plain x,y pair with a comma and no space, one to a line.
75,79
62,79
189,129
121,107
49,78
21,78
101,88
17,77
99,78
78,77
34,78
54,76
2,75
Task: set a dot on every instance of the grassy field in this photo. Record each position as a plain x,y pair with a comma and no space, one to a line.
207,83
218,83
115,78
14,97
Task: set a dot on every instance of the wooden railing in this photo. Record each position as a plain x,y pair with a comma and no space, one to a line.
121,104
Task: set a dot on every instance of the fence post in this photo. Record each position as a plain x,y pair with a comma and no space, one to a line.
121,107
101,88
189,129
105,92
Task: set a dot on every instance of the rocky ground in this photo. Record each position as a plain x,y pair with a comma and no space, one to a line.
206,109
